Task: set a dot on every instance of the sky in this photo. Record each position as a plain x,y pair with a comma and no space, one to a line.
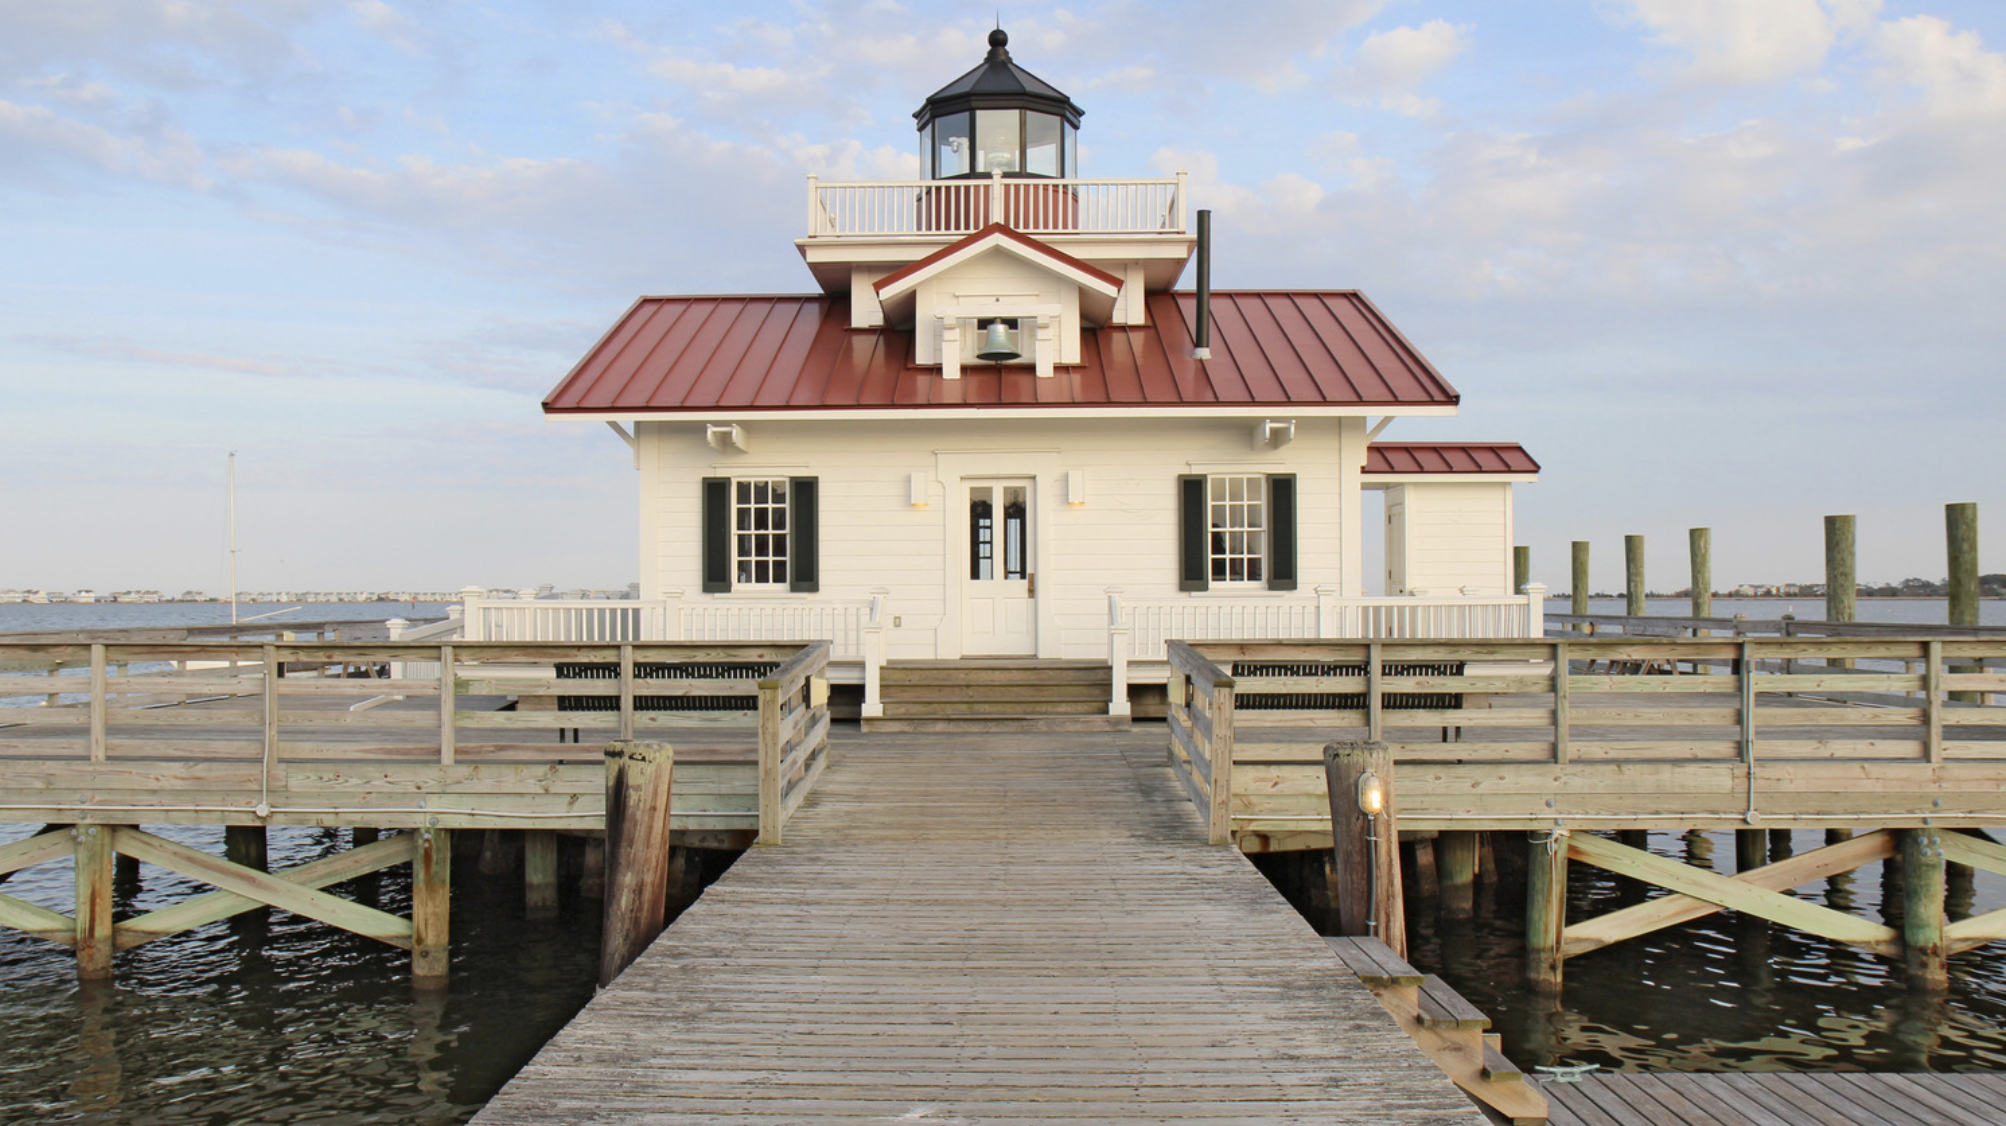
1714,262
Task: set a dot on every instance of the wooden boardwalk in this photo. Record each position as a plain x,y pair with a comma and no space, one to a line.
984,929
1846,1098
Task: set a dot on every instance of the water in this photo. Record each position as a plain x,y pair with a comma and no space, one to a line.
1721,993
278,1019
272,1018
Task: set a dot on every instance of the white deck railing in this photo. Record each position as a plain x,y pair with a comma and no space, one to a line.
842,624
1147,626
1034,206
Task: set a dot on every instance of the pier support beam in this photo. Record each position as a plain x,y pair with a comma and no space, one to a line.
539,872
431,904
1922,909
1365,842
1960,526
1633,576
1578,591
1751,849
592,868
1456,864
1545,908
94,877
638,787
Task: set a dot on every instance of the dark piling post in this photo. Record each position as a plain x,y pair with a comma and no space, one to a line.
1521,568
1456,863
1365,842
1751,849
246,845
1578,589
637,851
1545,908
1633,576
592,868
539,873
1922,909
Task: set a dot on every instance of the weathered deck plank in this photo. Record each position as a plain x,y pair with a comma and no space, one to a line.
1774,1099
986,929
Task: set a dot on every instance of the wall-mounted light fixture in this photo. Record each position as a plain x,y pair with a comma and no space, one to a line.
726,436
1076,487
1371,794
916,490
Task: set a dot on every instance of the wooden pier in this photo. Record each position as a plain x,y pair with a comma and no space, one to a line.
1845,1098
982,929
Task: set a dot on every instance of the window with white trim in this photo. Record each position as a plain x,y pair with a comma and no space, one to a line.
759,531
1237,527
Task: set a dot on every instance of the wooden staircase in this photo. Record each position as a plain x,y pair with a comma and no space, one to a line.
995,694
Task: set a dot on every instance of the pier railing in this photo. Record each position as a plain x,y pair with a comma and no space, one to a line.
310,733
1323,615
1616,733
1201,736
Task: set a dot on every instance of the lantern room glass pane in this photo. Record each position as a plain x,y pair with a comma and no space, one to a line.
1041,144
998,139
1072,166
952,146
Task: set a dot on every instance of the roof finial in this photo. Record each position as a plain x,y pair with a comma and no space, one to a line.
999,41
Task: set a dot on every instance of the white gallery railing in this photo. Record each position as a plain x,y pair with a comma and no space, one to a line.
1146,626
1033,205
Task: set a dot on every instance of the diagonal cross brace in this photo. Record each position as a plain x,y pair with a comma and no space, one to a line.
1670,910
21,915
1969,934
1736,894
264,887
209,907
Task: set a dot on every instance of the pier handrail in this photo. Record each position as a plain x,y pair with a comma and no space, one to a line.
1201,729
1630,732
793,736
320,733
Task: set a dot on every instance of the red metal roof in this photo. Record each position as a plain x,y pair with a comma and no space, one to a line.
680,355
1448,457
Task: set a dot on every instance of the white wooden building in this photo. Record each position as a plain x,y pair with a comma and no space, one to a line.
997,429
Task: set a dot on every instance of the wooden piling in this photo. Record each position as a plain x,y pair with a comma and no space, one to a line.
1427,883
1960,525
1633,576
539,873
1545,908
1782,844
247,845
94,922
1457,865
638,783
1578,589
431,906
1521,568
1751,849
1841,576
495,852
1922,909
592,868
363,835
1701,542
1365,844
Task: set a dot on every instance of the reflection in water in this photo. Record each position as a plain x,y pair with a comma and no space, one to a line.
95,1088
1724,992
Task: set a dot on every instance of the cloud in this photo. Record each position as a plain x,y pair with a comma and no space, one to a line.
127,350
1393,64
1958,77
1735,42
39,142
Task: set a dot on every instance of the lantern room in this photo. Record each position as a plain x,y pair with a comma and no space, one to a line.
998,118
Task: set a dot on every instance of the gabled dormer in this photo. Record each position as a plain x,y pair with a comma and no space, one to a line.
995,297
998,148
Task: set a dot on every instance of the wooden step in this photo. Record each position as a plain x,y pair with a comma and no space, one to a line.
1498,1069
970,724
911,708
894,674
950,693
1442,1007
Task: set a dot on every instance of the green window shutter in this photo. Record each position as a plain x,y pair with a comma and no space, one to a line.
804,572
716,534
1194,555
1282,531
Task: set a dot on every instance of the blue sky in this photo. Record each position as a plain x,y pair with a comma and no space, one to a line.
1714,262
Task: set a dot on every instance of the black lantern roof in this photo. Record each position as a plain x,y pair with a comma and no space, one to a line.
998,84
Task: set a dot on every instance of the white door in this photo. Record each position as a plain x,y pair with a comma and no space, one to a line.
999,608
1396,544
